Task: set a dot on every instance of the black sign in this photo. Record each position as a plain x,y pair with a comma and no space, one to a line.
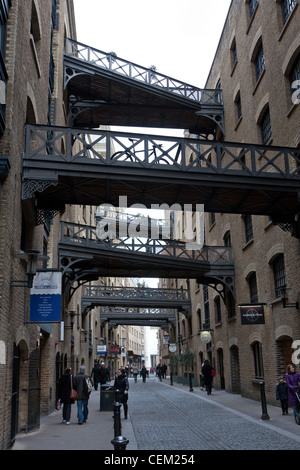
252,314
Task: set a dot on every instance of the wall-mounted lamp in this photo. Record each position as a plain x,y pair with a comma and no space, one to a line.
32,257
286,304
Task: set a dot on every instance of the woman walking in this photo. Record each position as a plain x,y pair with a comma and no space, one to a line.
121,384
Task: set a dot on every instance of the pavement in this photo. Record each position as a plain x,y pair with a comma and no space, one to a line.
98,432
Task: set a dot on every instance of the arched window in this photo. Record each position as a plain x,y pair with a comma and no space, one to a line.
279,275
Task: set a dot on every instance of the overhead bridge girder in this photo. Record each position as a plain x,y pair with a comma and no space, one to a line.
104,89
76,166
82,255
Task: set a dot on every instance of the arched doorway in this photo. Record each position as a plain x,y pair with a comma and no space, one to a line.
284,354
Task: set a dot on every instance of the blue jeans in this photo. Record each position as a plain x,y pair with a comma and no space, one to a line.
82,410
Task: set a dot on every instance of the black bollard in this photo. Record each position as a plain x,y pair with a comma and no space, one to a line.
190,382
119,442
264,415
171,378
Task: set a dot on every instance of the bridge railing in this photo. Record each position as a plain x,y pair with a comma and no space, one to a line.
129,293
102,148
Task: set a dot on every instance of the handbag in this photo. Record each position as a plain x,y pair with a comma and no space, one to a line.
73,393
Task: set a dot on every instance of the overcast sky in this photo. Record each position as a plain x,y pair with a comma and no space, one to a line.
178,37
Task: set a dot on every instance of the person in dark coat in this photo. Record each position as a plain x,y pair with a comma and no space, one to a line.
282,395
144,373
208,374
95,375
122,384
103,374
64,390
292,380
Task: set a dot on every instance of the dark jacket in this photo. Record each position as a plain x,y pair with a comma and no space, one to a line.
103,375
206,372
80,385
281,391
64,388
122,384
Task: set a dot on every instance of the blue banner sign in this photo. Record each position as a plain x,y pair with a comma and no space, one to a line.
45,297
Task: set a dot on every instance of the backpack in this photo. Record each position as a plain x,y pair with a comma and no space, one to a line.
213,372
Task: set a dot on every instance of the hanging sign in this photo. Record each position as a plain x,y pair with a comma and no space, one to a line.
252,314
101,349
45,297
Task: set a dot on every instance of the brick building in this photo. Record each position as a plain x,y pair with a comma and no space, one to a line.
256,65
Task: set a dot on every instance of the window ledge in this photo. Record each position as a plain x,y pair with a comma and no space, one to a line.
245,246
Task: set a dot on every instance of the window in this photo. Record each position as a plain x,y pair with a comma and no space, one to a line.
266,129
206,307
227,239
248,228
258,360
259,63
218,310
253,288
238,105
287,6
294,78
279,275
252,7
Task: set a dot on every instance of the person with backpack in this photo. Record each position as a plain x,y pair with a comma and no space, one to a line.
82,389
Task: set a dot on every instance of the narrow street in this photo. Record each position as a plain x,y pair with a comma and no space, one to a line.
170,418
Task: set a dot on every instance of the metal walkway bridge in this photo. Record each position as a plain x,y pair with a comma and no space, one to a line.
107,90
83,257
80,166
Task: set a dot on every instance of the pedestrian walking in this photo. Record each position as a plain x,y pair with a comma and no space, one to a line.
292,381
144,373
81,387
95,375
282,395
103,374
135,372
64,390
208,373
122,384
164,370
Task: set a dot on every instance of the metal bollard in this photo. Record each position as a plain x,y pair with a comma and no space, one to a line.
171,378
190,382
264,415
119,442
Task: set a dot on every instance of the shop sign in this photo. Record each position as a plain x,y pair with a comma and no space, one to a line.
252,314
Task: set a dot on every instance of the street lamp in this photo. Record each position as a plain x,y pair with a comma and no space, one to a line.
32,257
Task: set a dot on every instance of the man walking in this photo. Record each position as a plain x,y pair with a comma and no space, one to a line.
81,387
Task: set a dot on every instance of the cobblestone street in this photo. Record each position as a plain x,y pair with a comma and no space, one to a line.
167,418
